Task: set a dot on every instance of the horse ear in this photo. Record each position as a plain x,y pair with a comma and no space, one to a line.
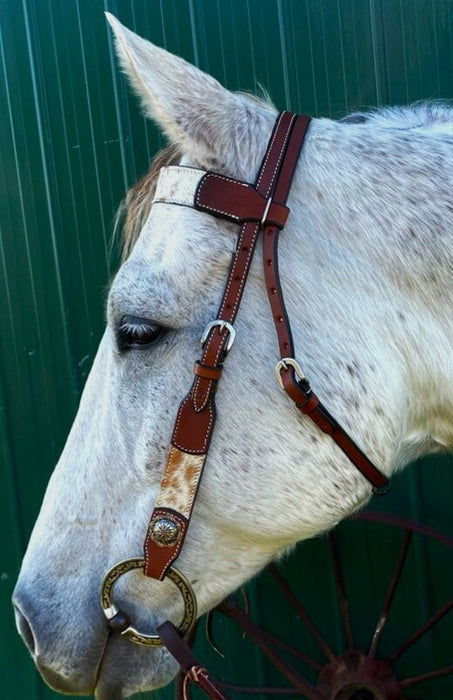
191,107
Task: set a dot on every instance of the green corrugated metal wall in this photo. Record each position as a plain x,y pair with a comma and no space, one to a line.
71,141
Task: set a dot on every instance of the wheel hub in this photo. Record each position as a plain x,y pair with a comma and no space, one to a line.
355,676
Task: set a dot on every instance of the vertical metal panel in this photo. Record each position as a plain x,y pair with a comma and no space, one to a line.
72,139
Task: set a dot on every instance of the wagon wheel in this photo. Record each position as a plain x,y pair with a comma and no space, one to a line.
355,674
358,675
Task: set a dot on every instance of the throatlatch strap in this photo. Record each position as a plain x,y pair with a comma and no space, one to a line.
299,390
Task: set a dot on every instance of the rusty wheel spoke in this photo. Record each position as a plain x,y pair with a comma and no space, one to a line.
341,591
298,607
259,636
288,671
276,641
391,594
252,690
444,671
420,632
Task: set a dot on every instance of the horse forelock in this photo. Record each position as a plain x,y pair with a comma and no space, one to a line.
134,209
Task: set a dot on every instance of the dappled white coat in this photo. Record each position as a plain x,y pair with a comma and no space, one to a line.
366,263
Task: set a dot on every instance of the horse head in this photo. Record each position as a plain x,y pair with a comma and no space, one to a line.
366,257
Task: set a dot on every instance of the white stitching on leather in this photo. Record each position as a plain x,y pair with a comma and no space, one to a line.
285,140
269,149
199,407
178,421
202,183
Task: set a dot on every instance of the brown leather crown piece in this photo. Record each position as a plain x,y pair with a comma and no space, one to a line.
259,209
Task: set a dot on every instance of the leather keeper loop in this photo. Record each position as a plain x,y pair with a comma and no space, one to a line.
206,371
309,405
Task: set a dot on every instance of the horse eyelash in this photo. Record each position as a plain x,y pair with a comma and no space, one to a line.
135,329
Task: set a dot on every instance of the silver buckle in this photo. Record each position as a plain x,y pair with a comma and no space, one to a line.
285,363
223,326
266,212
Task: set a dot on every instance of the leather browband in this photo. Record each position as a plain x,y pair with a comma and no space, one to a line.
261,207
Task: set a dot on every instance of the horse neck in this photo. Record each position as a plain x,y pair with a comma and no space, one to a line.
365,261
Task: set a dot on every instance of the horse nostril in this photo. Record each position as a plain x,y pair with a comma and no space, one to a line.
25,630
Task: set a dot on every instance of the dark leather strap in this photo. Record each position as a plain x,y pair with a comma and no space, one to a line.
270,243
309,404
214,348
194,670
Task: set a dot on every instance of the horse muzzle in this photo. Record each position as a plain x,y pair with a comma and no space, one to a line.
69,662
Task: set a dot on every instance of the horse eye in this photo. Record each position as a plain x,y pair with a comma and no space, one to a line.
138,332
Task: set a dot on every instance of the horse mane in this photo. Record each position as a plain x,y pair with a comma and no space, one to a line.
135,207
421,114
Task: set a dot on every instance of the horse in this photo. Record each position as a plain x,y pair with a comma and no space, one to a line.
366,262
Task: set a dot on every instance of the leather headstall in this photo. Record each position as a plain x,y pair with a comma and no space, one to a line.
259,209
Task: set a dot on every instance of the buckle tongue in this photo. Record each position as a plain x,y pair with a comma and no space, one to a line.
223,326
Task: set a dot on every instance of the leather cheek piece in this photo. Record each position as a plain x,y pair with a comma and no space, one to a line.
227,198
319,418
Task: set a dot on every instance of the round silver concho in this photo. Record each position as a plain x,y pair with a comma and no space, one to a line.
165,532
129,631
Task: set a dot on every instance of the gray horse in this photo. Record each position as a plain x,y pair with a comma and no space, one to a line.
367,260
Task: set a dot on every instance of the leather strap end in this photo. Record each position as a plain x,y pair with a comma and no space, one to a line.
158,554
194,670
